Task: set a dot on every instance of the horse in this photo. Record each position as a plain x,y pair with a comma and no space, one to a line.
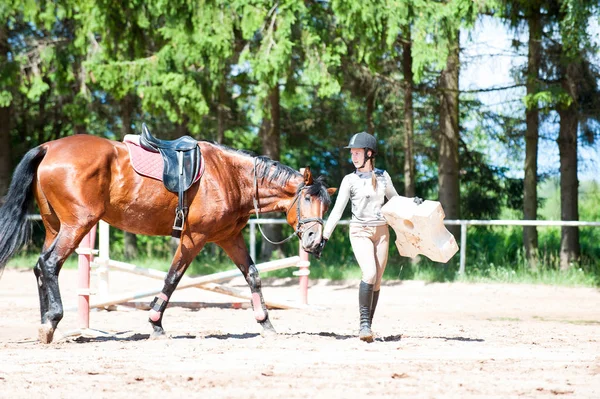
81,179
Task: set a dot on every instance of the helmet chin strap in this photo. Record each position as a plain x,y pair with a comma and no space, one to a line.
366,158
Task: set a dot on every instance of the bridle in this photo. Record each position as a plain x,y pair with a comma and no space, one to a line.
300,223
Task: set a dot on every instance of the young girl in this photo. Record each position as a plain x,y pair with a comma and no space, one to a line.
367,189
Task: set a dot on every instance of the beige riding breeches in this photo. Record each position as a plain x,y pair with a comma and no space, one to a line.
370,245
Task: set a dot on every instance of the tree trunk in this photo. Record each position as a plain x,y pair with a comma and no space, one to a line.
409,161
5,123
270,133
181,128
448,166
5,151
530,236
211,248
130,244
370,111
79,124
221,114
127,107
567,146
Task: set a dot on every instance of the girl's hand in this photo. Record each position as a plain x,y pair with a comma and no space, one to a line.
319,249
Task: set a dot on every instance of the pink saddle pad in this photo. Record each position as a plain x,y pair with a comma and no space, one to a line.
147,163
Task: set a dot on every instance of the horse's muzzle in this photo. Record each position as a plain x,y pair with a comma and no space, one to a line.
311,238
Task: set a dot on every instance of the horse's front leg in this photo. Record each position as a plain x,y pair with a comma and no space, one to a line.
189,247
238,252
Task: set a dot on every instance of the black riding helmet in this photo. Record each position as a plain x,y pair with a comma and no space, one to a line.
365,141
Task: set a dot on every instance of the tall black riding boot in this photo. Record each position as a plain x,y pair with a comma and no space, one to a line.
374,305
365,299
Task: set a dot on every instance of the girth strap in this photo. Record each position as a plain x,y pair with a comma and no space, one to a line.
182,160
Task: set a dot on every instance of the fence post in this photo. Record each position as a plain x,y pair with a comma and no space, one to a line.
463,246
103,258
302,273
85,252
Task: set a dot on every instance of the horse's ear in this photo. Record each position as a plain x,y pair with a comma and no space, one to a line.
331,190
308,178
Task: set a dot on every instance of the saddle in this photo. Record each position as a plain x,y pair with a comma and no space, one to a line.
182,159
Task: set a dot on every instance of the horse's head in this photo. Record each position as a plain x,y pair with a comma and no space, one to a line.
306,212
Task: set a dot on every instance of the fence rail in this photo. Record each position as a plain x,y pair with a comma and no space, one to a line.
463,230
462,223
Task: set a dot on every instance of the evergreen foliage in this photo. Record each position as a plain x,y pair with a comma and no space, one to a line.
202,67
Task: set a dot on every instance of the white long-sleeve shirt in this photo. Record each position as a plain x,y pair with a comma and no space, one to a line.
366,202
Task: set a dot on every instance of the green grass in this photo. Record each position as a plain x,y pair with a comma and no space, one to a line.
504,319
503,274
432,272
397,269
576,322
28,260
200,267
494,254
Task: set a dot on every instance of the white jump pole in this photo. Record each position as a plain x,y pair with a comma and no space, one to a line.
104,264
193,282
209,286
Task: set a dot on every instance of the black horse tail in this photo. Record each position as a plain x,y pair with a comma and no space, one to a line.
15,229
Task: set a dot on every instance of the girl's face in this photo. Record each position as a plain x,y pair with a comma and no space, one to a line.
358,158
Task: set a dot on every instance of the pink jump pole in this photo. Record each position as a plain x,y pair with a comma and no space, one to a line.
85,252
303,270
303,273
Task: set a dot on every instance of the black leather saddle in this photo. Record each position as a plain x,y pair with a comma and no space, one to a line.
182,160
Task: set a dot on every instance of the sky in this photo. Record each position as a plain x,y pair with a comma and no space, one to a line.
489,56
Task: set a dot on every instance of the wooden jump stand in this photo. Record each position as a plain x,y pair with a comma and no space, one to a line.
103,299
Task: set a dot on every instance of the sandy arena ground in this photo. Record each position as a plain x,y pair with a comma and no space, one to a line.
434,341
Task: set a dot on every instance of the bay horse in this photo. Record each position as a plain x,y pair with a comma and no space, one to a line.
81,179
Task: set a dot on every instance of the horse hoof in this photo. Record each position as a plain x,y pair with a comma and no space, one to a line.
268,329
46,333
155,336
268,333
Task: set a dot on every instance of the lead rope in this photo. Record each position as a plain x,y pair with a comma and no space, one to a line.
255,201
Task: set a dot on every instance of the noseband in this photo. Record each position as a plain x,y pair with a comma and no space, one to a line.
301,222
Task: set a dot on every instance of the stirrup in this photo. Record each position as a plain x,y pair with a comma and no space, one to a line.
179,215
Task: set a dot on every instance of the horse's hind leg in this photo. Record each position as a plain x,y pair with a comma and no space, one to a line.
236,249
37,270
46,270
189,247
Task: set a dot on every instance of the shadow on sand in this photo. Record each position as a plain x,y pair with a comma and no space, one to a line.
127,336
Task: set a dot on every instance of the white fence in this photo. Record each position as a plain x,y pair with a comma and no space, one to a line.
463,229
464,223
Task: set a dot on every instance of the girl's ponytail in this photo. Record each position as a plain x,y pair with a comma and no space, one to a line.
373,177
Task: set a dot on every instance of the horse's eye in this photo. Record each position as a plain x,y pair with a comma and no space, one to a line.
307,198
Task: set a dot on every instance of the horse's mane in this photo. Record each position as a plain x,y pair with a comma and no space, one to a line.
275,171
319,187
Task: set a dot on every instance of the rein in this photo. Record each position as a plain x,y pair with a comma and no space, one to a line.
301,221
